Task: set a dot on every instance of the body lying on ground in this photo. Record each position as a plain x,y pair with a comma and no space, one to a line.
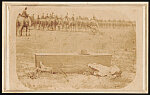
102,70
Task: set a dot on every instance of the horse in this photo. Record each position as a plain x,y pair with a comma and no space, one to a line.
21,23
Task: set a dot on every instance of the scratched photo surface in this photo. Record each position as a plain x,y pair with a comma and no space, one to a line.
75,46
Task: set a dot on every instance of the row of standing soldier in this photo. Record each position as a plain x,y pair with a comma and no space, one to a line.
53,22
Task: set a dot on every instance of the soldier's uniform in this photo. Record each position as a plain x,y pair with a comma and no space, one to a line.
33,16
24,13
53,15
73,18
66,17
47,16
38,17
42,16
18,15
50,16
94,18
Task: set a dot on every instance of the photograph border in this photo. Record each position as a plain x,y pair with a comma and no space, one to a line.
5,40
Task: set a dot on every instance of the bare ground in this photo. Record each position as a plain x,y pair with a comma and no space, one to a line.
69,42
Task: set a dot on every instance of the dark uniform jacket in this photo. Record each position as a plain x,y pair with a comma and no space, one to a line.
42,17
24,13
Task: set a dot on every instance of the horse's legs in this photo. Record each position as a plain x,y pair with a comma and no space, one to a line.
26,30
71,28
21,31
48,27
51,26
75,28
43,26
55,27
29,31
66,28
39,27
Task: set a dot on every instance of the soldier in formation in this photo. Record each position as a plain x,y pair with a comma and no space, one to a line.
81,20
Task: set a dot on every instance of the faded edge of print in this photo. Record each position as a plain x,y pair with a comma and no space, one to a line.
62,48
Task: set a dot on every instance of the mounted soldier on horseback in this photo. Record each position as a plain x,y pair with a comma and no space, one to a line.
24,13
23,21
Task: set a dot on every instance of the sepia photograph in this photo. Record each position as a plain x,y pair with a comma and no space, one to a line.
91,47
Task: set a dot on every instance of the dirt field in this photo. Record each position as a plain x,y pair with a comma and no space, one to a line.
118,42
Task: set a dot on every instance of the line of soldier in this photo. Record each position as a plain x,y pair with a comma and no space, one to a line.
85,20
81,22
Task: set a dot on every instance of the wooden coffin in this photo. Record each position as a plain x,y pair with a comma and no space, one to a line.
71,62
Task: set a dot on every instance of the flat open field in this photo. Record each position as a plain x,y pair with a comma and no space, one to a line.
118,42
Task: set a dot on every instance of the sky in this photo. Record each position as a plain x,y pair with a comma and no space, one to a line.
101,12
